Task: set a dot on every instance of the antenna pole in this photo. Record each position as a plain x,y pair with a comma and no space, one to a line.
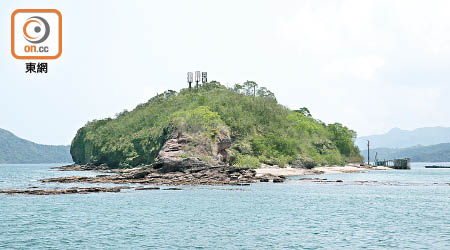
189,79
197,78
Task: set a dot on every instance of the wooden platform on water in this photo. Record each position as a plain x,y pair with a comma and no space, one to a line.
395,164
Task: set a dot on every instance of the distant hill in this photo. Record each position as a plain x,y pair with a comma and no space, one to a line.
398,138
16,150
433,153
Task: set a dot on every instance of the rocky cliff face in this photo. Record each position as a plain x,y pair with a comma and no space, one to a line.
183,151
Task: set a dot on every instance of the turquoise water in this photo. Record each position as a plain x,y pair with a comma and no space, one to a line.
406,210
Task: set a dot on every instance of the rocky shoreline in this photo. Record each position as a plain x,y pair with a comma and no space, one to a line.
198,173
174,167
189,176
72,190
187,172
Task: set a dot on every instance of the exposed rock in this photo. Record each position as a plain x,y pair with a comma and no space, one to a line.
72,190
173,158
223,143
196,175
278,180
319,180
70,179
303,162
177,152
174,166
173,148
273,178
147,188
87,167
242,184
140,174
311,179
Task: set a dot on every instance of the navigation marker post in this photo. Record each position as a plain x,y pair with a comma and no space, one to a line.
368,152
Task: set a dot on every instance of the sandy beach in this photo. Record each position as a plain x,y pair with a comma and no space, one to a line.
288,171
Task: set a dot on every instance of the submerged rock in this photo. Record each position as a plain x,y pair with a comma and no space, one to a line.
278,180
172,188
273,178
147,188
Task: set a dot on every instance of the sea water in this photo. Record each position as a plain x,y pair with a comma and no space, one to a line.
397,209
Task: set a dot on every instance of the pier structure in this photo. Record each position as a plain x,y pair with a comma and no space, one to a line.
404,163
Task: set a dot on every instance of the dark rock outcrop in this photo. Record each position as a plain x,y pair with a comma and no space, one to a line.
202,174
303,162
271,177
72,190
279,179
87,167
223,143
148,188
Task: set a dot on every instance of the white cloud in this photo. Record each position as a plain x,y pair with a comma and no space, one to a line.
424,26
362,67
328,28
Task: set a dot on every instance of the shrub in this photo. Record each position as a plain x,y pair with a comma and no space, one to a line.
246,161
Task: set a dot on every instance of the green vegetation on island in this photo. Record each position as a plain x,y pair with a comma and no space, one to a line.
14,150
260,129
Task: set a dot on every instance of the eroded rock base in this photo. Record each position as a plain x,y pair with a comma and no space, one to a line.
72,190
200,175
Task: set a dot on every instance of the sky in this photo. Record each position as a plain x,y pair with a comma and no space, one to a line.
370,65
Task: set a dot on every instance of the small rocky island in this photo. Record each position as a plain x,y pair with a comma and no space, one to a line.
210,135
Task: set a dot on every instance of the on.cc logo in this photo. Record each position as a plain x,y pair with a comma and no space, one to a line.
40,28
36,34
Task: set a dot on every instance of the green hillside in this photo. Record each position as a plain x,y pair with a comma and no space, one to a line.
16,150
434,153
261,130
